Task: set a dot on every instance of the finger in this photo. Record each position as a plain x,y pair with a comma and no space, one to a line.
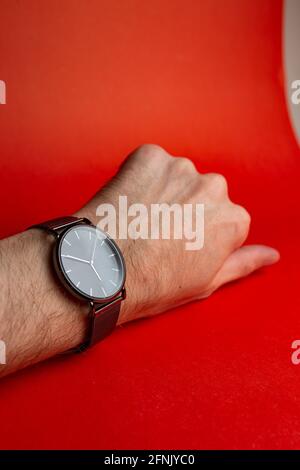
244,261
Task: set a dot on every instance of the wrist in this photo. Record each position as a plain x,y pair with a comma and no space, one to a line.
130,305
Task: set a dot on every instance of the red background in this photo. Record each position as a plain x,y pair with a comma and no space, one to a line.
87,81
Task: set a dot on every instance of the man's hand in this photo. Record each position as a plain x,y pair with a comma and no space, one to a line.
38,319
162,273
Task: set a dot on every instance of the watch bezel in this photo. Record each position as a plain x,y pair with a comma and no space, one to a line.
69,286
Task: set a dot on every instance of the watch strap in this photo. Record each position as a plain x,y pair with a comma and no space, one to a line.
55,226
103,320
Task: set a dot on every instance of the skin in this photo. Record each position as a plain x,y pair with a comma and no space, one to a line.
38,319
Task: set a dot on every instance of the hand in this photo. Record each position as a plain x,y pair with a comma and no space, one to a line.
162,274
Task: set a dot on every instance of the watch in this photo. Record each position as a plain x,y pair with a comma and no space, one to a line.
91,267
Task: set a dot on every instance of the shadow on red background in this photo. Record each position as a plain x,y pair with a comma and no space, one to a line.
86,83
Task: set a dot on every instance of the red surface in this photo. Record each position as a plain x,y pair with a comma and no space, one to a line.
87,82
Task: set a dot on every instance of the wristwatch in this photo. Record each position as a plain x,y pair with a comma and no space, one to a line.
91,267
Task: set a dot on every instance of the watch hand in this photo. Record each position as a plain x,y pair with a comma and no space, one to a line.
93,267
77,259
94,249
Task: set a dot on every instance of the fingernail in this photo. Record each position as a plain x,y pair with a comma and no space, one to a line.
273,256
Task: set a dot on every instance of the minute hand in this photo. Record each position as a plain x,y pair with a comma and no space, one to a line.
76,259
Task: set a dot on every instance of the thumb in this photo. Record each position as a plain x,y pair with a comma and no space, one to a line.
244,261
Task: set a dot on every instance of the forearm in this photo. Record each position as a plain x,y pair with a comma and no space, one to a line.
37,318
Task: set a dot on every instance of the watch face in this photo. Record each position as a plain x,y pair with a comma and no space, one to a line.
91,263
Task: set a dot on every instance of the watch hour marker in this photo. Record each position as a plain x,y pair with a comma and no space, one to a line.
78,284
102,242
113,283
67,242
90,235
104,291
113,254
69,271
91,291
115,269
76,233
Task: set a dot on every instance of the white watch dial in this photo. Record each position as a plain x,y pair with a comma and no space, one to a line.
91,262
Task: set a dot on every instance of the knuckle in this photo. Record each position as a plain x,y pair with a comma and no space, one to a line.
217,182
242,221
148,155
243,216
184,164
152,151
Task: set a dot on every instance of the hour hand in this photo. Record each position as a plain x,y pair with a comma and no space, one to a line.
93,267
